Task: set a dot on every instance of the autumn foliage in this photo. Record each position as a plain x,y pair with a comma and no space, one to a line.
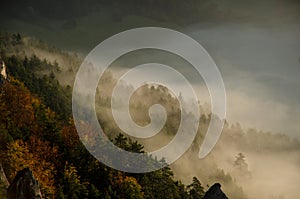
36,131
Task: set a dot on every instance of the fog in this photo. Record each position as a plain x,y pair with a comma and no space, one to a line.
260,68
273,162
256,46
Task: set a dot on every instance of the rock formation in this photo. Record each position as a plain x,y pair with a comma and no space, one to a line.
3,182
215,192
3,73
24,186
3,178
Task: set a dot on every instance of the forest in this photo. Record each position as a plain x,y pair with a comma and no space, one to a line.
37,131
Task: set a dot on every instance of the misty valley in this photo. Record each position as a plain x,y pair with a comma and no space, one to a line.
45,44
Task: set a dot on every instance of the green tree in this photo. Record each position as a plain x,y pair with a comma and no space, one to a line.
72,187
240,162
196,191
242,172
127,187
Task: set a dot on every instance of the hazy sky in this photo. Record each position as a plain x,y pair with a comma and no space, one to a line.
260,63
260,67
257,51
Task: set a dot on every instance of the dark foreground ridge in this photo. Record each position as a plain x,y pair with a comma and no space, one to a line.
215,192
24,186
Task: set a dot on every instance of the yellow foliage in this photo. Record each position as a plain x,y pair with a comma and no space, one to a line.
17,106
32,154
127,187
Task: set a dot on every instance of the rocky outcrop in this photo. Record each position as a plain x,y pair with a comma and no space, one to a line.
3,69
3,182
24,186
3,74
215,192
3,179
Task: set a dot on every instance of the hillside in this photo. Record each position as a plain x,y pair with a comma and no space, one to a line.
34,135
37,131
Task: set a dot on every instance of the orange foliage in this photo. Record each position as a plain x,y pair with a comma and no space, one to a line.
37,155
69,136
127,187
17,106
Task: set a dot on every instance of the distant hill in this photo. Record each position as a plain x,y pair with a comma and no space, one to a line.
36,118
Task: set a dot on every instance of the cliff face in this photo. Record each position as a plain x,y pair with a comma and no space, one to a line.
3,70
24,186
215,192
3,74
3,179
3,182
